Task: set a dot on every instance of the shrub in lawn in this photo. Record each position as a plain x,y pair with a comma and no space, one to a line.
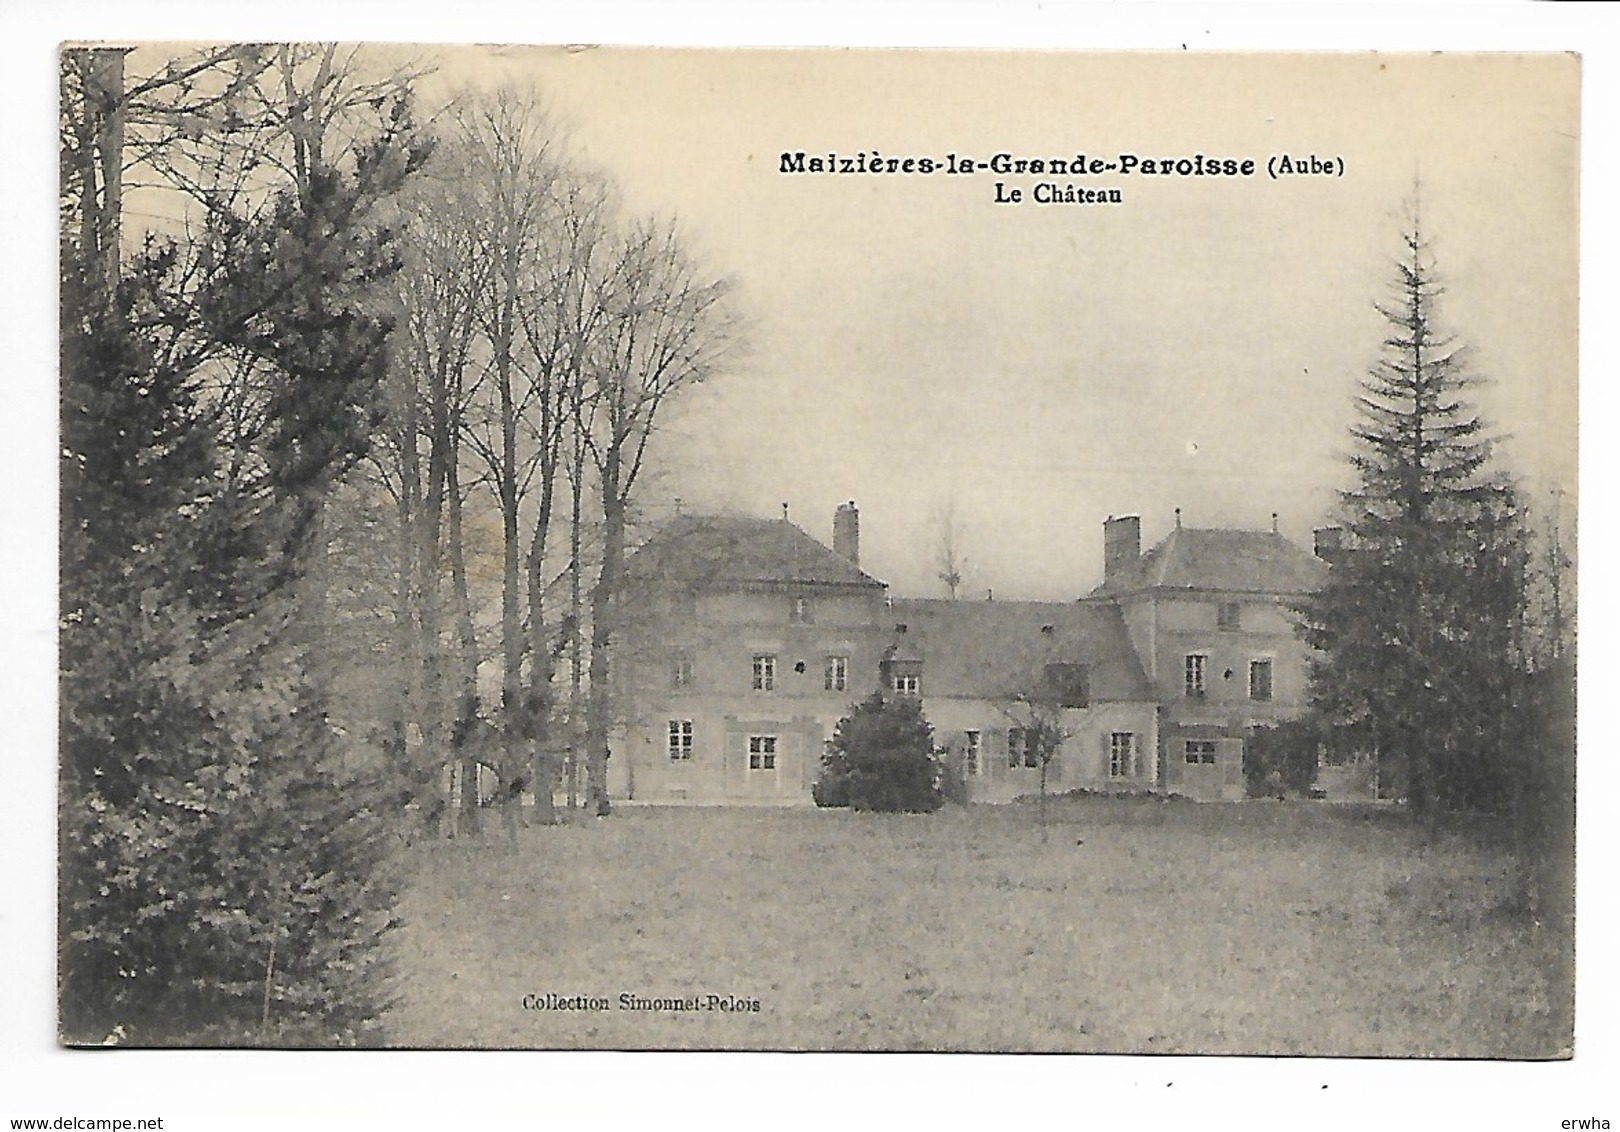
882,758
953,781
1280,758
831,790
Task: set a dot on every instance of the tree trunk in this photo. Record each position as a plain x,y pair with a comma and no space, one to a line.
1419,782
471,819
415,622
600,707
538,708
111,66
435,711
576,609
99,137
1044,761
512,641
86,138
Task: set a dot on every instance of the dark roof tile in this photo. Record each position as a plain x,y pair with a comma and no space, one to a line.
999,649
1222,559
709,550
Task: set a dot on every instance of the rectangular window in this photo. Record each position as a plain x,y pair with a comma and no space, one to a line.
680,740
837,673
1021,749
1122,754
762,752
1229,615
764,672
1201,751
1195,675
680,671
970,751
800,611
1259,679
908,684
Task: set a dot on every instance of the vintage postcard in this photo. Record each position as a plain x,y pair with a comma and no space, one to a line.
818,550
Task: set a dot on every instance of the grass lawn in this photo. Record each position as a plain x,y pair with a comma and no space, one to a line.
1133,925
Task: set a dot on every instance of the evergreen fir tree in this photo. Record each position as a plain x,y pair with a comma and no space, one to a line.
1421,622
224,878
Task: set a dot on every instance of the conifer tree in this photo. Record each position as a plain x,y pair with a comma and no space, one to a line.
223,876
1421,623
881,757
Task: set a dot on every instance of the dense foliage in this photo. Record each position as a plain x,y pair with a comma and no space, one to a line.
1281,759
881,757
223,871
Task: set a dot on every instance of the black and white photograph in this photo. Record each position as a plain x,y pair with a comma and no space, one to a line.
816,549
788,553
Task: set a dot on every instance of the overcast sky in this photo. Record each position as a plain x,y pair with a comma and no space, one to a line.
915,346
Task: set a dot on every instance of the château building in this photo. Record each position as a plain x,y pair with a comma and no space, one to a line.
744,641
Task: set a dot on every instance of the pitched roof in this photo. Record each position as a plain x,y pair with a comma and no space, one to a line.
709,550
997,649
1222,559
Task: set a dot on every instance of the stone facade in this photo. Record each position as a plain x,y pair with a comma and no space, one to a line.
1213,615
745,641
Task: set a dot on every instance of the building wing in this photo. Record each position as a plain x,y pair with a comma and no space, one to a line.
997,650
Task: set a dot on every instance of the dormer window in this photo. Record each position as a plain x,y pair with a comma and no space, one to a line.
903,677
1067,685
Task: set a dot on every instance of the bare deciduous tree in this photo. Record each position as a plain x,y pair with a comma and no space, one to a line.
1037,717
668,327
948,556
440,288
506,141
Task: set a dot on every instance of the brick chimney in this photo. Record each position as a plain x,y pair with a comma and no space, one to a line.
1122,546
847,532
1329,542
